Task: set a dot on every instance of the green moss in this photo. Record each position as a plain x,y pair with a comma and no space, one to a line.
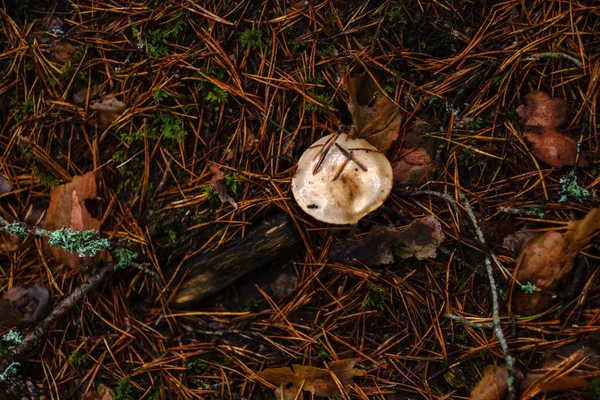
327,50
197,367
594,390
159,38
375,297
324,99
466,157
78,359
160,95
252,38
396,16
233,184
477,123
216,96
43,177
124,390
168,126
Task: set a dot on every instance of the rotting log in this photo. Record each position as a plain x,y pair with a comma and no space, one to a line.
272,240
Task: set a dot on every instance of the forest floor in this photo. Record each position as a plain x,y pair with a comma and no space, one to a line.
173,106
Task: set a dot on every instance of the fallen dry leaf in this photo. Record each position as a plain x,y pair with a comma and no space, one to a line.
67,209
102,393
5,185
545,114
542,110
373,249
218,183
547,259
496,230
565,368
30,305
515,241
494,384
421,239
9,314
109,109
318,381
62,53
378,247
375,118
10,243
56,25
414,167
415,164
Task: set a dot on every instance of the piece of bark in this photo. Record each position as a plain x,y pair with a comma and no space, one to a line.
271,240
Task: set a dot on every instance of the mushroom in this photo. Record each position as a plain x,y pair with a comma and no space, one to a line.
341,179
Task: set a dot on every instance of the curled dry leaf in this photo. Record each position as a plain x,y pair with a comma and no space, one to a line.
109,109
494,384
414,167
545,114
375,117
318,381
67,209
221,187
415,164
373,249
496,230
547,259
28,305
421,239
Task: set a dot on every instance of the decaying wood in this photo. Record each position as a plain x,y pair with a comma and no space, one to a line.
272,240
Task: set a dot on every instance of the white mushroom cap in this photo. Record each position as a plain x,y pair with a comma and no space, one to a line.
352,179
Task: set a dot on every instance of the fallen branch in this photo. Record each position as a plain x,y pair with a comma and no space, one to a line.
124,258
36,334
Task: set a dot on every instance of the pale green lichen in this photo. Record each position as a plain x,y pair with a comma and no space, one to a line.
528,288
80,243
570,190
16,228
125,258
12,369
12,337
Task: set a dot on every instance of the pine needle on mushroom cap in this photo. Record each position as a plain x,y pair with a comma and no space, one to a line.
340,180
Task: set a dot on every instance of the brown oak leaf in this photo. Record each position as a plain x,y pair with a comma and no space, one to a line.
109,109
67,209
318,381
547,259
494,384
544,114
375,118
415,163
218,183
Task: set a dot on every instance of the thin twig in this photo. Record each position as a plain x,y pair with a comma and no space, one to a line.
510,362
